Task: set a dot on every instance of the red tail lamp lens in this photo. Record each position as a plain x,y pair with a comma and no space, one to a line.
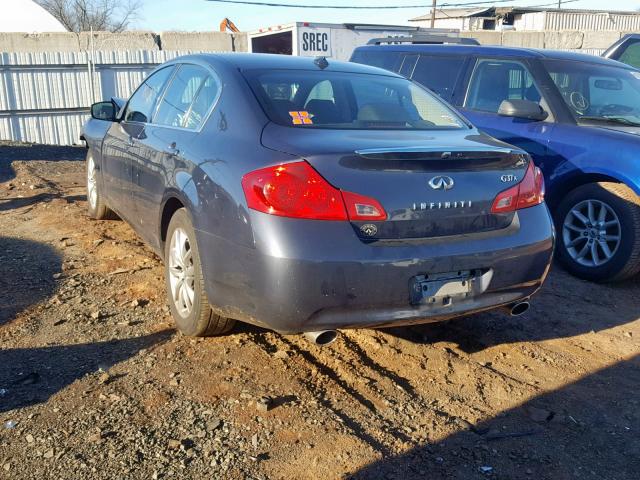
529,192
296,190
361,208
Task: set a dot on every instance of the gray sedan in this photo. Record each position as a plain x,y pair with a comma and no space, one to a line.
310,195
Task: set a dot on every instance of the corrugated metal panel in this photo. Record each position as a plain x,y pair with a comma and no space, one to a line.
45,97
51,129
591,21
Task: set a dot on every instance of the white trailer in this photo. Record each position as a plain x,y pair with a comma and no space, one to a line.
335,40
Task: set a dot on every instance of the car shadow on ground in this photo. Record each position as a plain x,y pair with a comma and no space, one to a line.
25,152
587,429
31,375
26,275
564,307
12,203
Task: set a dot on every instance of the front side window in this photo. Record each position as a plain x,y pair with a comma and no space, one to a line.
494,81
631,54
341,100
174,106
597,92
143,101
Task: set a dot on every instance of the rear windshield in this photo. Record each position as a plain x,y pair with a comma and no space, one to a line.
338,100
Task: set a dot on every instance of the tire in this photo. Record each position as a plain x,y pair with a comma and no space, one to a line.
185,282
96,206
620,258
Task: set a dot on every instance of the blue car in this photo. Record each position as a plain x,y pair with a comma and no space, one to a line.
577,115
310,196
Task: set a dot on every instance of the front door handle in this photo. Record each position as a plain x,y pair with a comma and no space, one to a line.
172,150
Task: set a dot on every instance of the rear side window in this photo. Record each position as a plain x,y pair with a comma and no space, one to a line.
205,99
408,64
439,74
174,107
379,58
143,101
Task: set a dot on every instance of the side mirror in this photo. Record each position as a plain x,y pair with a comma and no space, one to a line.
104,111
522,109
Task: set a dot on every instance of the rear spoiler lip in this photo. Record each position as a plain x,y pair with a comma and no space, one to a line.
431,149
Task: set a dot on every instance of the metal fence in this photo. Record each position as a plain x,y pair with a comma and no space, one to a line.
45,97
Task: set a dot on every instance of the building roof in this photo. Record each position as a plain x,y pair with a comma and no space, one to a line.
27,16
452,13
442,13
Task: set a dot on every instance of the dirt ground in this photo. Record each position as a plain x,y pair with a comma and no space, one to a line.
95,383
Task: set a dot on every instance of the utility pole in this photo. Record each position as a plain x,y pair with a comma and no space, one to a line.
559,4
433,13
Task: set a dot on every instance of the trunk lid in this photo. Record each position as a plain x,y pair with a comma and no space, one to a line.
431,184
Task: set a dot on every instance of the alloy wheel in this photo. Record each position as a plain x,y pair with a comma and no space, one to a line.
591,233
181,272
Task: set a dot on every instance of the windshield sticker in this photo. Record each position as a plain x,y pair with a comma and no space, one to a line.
301,118
636,74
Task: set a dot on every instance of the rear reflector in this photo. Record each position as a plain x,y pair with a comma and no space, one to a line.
529,192
296,190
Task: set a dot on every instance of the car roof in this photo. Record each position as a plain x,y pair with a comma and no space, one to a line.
257,61
494,51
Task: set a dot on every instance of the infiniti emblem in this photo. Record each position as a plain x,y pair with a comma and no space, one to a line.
441,182
369,229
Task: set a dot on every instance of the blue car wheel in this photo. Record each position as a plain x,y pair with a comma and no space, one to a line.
598,229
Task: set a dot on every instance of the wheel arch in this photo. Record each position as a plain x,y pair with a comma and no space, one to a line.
182,195
569,183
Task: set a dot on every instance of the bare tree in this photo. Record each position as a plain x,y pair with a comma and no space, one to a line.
99,15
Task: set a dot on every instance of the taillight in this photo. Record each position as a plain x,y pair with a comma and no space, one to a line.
529,192
361,208
296,190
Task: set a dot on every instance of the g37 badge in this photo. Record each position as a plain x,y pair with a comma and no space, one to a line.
508,178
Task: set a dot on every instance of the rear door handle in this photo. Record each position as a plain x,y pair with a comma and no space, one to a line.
172,150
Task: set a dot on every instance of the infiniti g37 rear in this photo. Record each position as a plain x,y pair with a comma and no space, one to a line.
305,196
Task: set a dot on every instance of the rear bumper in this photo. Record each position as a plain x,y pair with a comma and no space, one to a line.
314,275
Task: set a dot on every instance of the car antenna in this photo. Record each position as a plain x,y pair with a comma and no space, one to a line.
321,62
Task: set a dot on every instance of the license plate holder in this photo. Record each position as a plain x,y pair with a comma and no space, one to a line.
442,288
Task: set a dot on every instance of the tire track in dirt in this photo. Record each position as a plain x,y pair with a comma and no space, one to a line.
271,343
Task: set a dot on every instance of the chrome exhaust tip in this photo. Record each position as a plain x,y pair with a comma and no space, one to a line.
517,309
321,337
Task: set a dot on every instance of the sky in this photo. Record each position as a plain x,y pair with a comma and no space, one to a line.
202,15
